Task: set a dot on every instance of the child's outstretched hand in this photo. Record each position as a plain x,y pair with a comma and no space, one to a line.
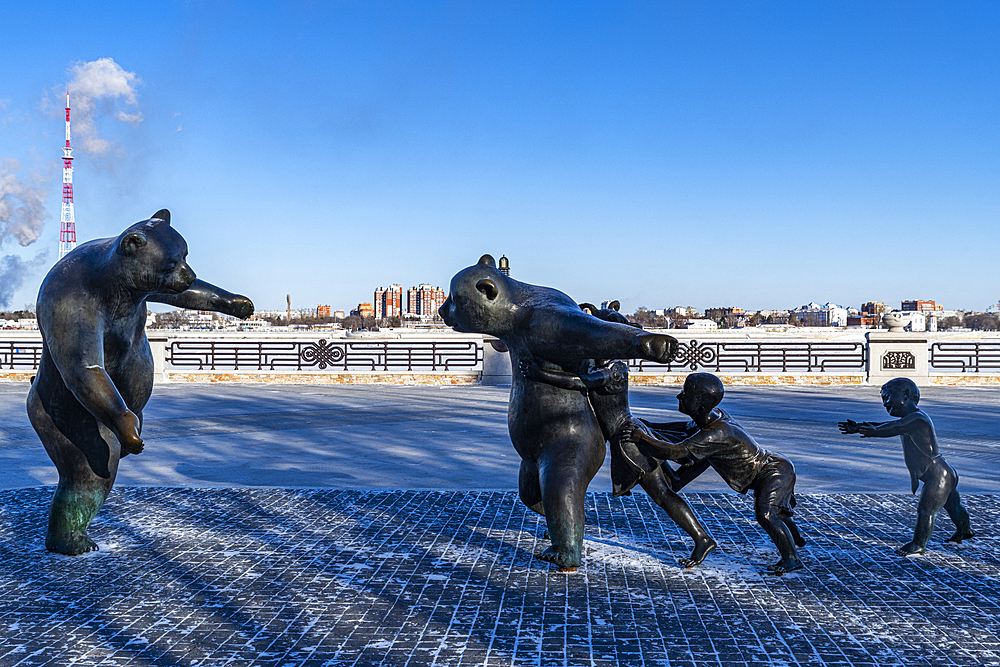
848,427
627,433
866,430
632,430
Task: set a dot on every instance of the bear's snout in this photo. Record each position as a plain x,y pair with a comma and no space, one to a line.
445,311
182,277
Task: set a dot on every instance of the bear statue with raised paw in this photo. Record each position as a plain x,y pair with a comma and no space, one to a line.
96,370
554,430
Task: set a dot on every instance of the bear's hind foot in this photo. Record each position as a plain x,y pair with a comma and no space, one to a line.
566,559
73,544
965,534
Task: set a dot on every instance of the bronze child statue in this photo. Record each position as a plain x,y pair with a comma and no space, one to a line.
714,439
606,385
96,370
920,452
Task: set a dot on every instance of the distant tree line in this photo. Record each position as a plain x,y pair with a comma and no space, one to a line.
974,321
649,319
28,312
350,322
673,320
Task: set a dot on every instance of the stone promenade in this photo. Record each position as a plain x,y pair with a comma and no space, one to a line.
198,576
247,574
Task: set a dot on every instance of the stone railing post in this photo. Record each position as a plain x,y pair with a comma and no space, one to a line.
158,346
892,355
496,363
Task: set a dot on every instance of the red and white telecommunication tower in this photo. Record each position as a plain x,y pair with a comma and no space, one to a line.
67,225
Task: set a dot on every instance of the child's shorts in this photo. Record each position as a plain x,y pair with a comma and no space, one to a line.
775,486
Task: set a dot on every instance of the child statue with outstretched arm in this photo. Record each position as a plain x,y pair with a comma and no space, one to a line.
920,452
714,439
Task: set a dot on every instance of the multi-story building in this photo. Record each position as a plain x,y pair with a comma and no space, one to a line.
874,308
728,314
322,311
388,301
826,315
920,306
870,315
412,301
363,310
424,300
699,324
719,313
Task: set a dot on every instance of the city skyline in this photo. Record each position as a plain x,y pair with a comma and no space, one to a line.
657,154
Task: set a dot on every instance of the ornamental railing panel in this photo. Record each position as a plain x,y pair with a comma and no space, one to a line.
390,356
964,357
20,355
762,357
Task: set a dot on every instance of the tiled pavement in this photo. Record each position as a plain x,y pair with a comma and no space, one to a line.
258,576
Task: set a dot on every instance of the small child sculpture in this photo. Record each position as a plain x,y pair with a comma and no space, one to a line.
714,439
920,452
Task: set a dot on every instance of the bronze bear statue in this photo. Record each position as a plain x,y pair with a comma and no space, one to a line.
96,370
554,430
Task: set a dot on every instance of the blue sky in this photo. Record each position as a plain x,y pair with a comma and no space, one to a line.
757,154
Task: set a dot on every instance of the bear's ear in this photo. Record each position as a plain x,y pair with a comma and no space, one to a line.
487,260
163,214
132,242
615,306
589,307
487,287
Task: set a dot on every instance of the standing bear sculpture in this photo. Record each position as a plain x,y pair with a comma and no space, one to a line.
554,430
96,370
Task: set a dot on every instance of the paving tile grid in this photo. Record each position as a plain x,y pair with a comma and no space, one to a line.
326,577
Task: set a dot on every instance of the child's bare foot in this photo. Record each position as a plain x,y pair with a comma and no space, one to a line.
785,565
701,549
910,549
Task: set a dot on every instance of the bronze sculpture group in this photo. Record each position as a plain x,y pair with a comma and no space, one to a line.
569,396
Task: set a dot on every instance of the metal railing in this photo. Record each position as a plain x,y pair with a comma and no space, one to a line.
20,354
322,355
790,356
944,357
964,357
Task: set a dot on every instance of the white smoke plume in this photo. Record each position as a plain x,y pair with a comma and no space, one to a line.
14,271
22,212
22,206
99,89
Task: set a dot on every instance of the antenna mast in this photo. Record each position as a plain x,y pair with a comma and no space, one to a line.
67,225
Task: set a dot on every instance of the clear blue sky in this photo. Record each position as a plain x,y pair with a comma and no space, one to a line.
757,154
